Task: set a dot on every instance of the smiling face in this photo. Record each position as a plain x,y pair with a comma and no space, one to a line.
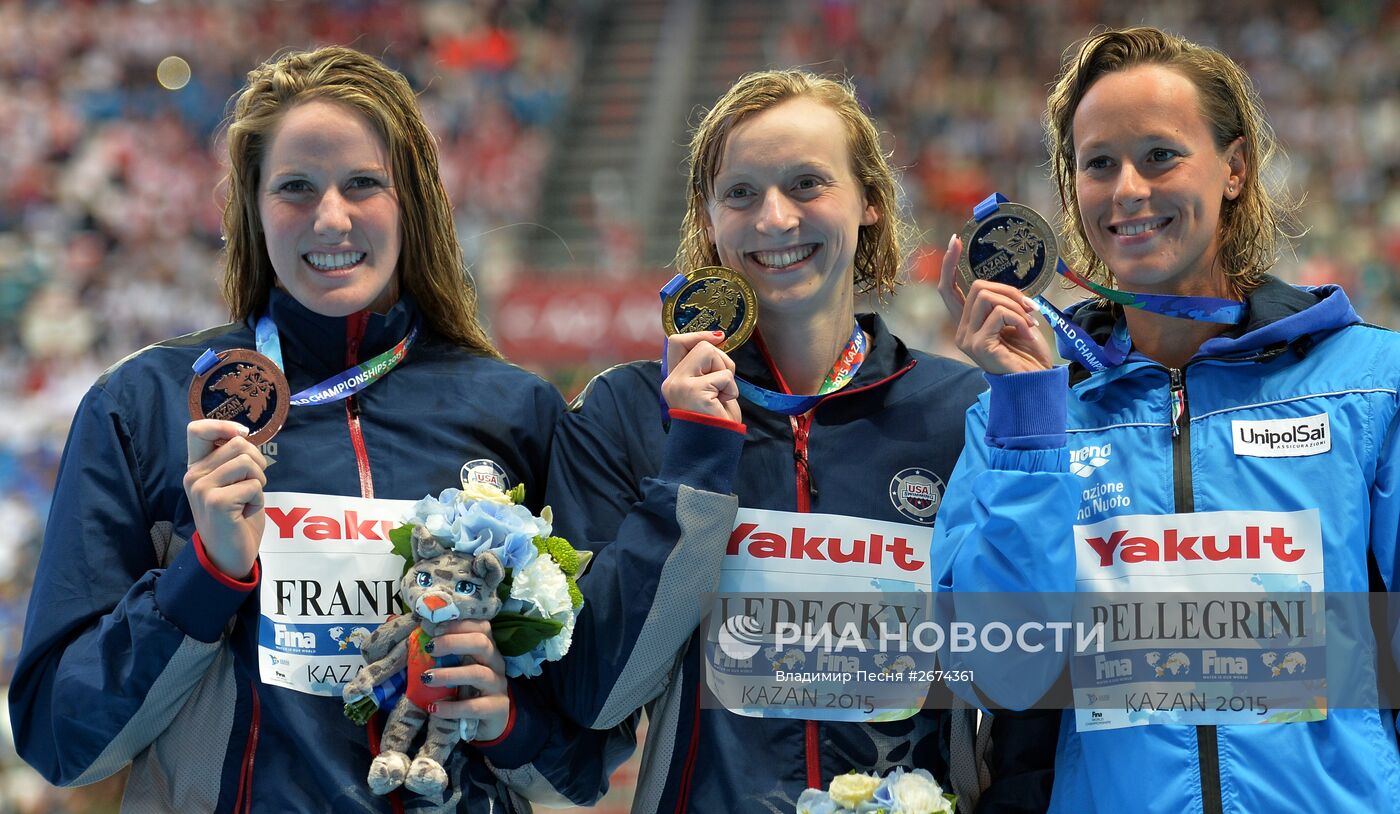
787,209
1151,181
329,210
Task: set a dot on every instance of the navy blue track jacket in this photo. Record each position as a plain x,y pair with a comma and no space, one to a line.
658,507
135,652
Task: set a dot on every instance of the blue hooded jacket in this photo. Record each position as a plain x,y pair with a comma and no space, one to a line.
1041,455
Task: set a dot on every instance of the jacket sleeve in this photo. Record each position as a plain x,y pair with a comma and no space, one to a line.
547,758
114,643
1003,546
657,544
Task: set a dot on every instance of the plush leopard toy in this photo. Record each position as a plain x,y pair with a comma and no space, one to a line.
442,586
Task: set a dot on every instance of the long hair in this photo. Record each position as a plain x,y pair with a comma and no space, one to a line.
1255,226
880,247
430,265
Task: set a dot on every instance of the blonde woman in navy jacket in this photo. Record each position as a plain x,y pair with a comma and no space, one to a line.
788,187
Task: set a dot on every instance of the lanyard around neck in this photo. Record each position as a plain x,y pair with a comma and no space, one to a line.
343,384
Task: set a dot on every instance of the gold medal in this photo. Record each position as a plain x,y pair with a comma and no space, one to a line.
1013,245
246,387
712,299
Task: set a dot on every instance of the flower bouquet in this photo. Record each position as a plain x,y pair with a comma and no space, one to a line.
539,596
899,792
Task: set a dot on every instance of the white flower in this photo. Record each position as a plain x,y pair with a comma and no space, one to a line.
850,790
475,490
557,646
542,583
915,793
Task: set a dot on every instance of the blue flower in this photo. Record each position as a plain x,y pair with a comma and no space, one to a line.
436,514
814,801
527,665
506,530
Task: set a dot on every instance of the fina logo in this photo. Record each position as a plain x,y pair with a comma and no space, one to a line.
487,471
916,493
740,637
1085,460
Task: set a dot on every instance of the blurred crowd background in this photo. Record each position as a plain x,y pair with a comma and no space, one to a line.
110,197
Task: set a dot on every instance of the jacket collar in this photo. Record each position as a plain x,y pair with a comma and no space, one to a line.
885,356
314,345
1278,315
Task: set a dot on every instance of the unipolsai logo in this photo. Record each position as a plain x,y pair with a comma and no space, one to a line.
1085,460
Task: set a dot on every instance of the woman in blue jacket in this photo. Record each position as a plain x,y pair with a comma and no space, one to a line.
789,188
1256,450
200,599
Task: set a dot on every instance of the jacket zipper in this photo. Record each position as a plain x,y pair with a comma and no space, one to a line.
354,333
250,749
1207,743
806,492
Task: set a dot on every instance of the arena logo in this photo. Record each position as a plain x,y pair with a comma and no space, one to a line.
916,494
1085,460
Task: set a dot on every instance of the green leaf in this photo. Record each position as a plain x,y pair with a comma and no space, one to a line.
517,494
517,634
361,710
402,539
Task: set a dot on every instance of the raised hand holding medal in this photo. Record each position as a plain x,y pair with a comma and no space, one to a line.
1011,254
705,314
238,400
718,298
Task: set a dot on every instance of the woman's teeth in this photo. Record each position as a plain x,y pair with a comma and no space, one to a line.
334,262
782,258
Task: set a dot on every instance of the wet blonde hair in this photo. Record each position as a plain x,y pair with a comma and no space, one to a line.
430,264
1255,226
880,247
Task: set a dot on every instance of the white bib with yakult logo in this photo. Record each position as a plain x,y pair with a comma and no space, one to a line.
329,578
771,555
1169,590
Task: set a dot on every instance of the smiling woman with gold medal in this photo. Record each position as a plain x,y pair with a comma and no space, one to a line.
822,431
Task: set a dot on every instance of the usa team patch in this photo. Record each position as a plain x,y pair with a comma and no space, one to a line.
916,494
487,471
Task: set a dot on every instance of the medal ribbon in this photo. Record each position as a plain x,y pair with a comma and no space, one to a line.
344,384
840,375
1091,354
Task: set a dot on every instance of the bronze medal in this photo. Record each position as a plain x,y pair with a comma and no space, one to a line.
1013,245
246,387
712,299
